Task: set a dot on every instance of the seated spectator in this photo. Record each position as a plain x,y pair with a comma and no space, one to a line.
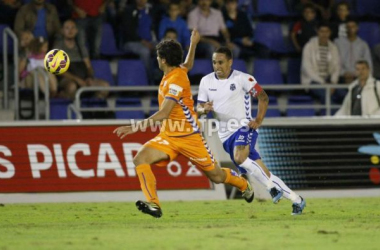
376,61
323,7
320,62
339,28
88,16
175,21
352,49
210,22
39,17
170,34
363,97
80,72
8,11
185,7
136,25
33,59
25,38
305,29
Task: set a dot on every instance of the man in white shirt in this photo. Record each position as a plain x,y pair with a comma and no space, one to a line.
227,93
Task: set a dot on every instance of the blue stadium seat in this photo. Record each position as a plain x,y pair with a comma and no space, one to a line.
247,7
131,73
267,71
10,42
153,103
58,109
129,102
270,35
370,32
294,71
272,7
201,67
108,43
368,7
299,101
270,112
102,70
240,65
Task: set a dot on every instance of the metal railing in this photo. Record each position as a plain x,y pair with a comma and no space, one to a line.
77,109
37,71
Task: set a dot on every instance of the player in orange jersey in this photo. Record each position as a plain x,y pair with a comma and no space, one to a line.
180,132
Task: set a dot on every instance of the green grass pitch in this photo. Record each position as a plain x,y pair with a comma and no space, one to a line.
233,224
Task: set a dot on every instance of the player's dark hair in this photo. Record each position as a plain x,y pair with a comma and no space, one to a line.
324,25
172,30
365,62
171,51
224,50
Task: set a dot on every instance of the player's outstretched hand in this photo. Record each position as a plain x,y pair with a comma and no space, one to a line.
208,107
254,124
195,37
123,131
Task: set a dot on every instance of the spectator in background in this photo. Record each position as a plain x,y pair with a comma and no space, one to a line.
176,22
209,22
80,72
185,7
376,61
320,62
33,59
339,28
305,29
88,16
8,11
170,34
136,25
40,18
352,49
25,38
363,97
323,7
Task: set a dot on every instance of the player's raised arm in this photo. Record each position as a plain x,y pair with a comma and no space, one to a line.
194,40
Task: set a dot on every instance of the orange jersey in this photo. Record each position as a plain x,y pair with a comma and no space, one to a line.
182,119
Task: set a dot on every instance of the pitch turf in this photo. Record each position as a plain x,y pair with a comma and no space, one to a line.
326,224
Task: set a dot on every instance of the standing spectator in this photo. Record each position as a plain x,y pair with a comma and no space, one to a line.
136,24
88,15
376,61
305,29
40,18
175,21
33,59
209,22
363,97
80,72
8,11
339,28
320,62
352,49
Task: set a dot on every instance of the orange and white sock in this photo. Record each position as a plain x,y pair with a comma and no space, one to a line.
233,179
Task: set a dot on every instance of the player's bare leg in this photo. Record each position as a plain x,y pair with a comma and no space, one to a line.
144,158
229,176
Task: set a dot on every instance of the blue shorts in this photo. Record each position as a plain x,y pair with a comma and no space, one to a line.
242,137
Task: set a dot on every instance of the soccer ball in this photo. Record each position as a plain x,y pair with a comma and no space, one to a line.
56,61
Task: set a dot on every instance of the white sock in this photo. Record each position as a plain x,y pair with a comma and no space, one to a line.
256,171
288,193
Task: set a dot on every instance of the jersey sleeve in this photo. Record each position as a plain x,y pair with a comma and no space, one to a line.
202,92
250,85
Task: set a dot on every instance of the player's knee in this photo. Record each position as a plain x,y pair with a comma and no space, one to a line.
137,160
239,158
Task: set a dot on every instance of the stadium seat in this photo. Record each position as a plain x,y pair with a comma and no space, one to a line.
10,42
299,101
108,43
131,73
272,7
370,32
94,103
267,71
58,109
270,35
247,7
270,112
129,102
102,70
240,65
201,67
294,71
368,7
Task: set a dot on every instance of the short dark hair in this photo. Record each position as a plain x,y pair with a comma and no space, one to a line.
345,4
172,30
324,24
365,62
308,6
352,20
224,50
171,51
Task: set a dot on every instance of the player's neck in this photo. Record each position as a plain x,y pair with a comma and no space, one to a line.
168,70
228,73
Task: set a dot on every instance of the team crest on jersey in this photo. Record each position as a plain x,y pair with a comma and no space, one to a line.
232,87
